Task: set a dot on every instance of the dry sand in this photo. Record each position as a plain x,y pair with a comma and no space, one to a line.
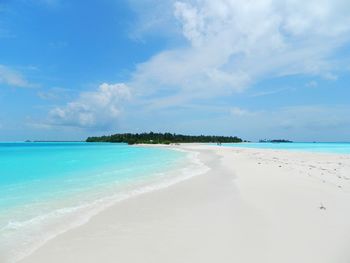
252,206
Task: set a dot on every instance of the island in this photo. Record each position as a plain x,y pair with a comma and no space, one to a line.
162,138
276,141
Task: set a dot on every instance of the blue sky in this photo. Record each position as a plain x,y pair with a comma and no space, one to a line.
260,69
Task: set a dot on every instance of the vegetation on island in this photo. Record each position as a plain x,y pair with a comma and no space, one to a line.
275,141
162,138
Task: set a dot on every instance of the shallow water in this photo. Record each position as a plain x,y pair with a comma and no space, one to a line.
46,188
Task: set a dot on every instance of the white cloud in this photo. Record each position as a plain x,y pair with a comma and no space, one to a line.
315,117
231,44
312,84
54,93
11,77
95,110
236,111
272,91
303,123
330,76
154,17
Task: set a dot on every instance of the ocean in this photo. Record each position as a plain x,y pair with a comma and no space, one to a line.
321,147
48,188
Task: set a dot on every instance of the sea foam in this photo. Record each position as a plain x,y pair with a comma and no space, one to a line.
20,237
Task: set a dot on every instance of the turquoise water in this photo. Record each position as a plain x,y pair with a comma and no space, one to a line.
41,183
322,147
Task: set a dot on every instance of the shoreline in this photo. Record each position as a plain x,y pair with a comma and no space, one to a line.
251,206
80,215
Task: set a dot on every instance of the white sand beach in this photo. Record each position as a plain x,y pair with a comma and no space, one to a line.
252,205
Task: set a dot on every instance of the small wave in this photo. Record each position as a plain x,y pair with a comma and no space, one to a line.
37,231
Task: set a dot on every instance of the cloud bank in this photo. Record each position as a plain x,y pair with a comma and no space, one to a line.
300,123
13,78
98,109
231,44
221,48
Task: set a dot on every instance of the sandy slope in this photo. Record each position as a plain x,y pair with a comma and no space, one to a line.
252,206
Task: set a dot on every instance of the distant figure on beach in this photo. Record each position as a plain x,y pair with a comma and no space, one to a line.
322,207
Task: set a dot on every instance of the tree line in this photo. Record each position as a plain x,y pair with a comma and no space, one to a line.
162,138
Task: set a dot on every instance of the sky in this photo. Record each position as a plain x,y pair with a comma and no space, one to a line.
263,69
